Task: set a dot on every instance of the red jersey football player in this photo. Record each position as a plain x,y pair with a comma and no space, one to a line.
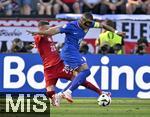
53,65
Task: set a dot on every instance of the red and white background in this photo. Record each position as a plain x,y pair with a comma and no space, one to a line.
124,76
134,26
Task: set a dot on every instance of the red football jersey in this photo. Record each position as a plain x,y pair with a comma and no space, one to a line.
47,50
69,1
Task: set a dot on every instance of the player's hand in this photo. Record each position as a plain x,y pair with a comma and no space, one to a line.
121,34
31,32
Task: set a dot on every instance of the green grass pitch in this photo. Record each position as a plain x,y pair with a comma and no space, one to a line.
89,108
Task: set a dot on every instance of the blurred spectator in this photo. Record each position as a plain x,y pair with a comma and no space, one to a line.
25,6
84,48
91,6
138,6
8,6
18,46
3,46
67,6
141,47
104,48
109,42
113,6
45,5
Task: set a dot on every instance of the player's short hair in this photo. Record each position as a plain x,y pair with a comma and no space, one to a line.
110,23
42,23
88,15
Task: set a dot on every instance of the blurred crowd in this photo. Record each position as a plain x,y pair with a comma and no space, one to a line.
102,47
17,46
53,7
107,43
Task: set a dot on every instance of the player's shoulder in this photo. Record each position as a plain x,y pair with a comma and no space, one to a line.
72,23
69,25
37,36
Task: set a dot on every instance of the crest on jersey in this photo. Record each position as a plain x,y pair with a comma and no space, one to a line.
64,26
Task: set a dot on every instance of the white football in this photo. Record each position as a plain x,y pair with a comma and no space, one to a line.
104,100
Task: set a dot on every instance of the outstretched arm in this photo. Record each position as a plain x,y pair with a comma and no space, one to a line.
51,31
109,28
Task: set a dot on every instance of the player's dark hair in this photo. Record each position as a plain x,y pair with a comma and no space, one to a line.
17,40
110,23
88,15
42,23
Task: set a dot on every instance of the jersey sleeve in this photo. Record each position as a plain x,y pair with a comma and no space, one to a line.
95,24
65,28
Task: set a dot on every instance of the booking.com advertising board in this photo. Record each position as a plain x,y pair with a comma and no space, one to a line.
123,75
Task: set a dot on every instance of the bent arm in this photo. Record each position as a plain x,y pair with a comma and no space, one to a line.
105,2
51,1
86,3
60,2
119,3
106,27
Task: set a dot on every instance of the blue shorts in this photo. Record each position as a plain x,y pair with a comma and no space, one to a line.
72,58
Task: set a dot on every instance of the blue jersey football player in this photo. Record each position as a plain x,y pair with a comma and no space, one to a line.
75,32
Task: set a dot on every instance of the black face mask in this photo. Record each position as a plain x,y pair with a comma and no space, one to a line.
86,22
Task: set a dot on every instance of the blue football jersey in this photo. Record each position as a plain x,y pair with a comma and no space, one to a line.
74,33
70,52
